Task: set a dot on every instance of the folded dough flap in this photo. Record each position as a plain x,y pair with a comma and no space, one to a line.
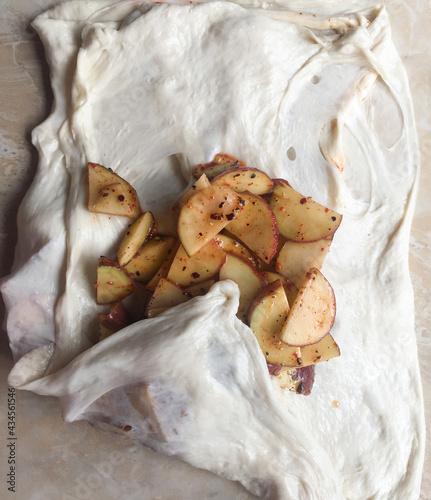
193,383
30,294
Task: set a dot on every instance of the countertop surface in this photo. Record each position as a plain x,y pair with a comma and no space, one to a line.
83,462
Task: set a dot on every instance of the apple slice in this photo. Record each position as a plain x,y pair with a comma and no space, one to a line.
150,258
256,226
113,283
135,237
233,246
221,163
246,277
224,158
98,178
313,312
289,288
323,350
110,194
114,321
166,295
199,289
203,265
266,317
300,218
201,183
164,268
269,266
242,179
296,258
205,214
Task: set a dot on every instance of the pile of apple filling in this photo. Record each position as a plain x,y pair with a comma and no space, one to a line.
236,223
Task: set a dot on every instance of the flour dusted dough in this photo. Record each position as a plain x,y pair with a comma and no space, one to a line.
313,92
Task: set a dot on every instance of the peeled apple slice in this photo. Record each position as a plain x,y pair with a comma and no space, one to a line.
167,294
201,266
110,194
201,183
164,268
150,258
98,177
113,283
135,237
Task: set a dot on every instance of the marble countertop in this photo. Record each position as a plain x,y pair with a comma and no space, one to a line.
49,449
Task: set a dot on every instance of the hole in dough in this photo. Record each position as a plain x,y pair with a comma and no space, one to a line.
291,154
315,80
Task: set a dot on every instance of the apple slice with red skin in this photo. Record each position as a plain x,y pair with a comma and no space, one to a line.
256,227
246,277
300,218
243,179
289,288
266,317
269,266
166,295
201,266
221,163
304,379
313,312
205,214
296,258
114,321
150,258
110,194
135,237
233,246
113,282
